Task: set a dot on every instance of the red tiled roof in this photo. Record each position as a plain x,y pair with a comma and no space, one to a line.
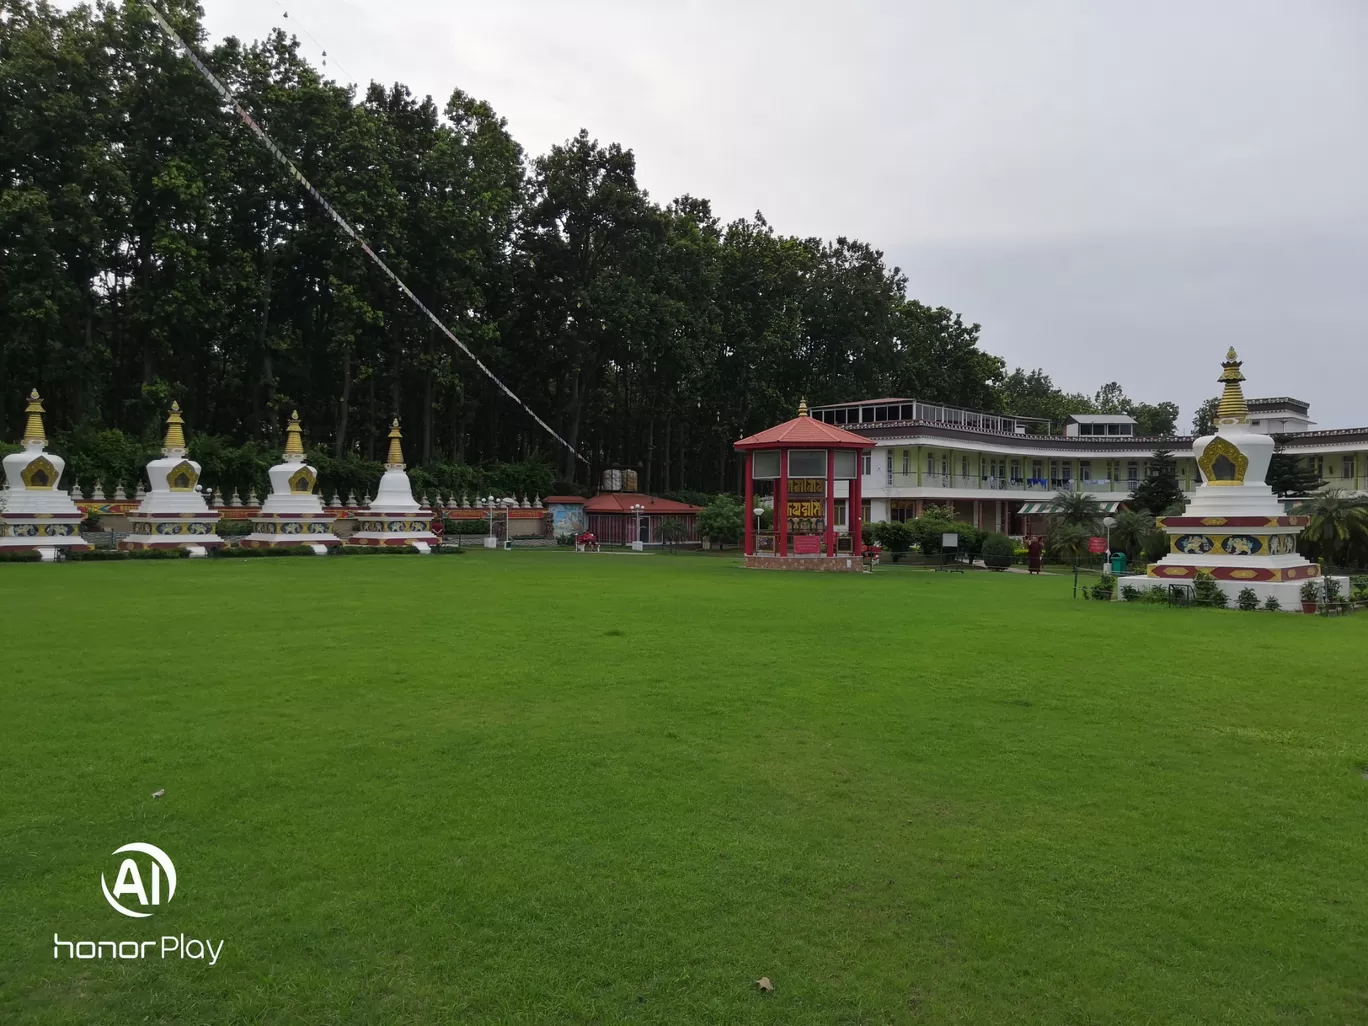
565,499
805,431
621,502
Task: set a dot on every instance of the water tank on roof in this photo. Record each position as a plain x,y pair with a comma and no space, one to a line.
612,480
629,481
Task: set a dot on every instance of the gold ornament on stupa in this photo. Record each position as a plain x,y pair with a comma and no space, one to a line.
395,459
802,407
294,437
174,443
1232,409
33,428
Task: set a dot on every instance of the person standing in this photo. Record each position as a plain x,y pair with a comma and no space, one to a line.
1035,550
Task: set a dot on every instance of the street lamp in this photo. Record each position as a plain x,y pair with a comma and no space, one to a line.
1109,523
488,503
759,512
508,503
637,509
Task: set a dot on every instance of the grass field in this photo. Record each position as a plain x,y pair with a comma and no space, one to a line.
547,788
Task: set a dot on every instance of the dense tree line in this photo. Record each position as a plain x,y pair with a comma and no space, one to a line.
150,248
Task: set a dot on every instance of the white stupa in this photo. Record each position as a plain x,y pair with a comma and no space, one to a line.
293,513
173,514
394,517
35,514
1235,528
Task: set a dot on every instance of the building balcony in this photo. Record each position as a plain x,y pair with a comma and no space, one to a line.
930,485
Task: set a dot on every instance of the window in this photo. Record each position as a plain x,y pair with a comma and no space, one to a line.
1348,469
964,466
765,465
1132,471
1318,465
838,513
930,463
868,467
1016,470
844,463
864,512
807,463
1085,469
866,414
1037,470
907,463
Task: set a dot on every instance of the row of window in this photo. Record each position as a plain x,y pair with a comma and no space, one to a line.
1348,466
992,467
805,463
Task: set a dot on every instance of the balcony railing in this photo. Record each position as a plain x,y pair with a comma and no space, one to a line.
959,482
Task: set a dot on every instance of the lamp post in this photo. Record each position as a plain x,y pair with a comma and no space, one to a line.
491,542
508,503
1109,523
759,512
637,509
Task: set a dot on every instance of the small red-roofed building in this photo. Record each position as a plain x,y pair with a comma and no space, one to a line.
795,469
621,518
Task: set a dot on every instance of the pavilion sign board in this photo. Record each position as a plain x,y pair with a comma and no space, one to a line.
950,540
807,545
1097,545
808,509
807,486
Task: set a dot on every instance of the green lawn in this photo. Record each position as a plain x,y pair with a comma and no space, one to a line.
536,787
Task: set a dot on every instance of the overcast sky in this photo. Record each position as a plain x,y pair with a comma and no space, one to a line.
1114,190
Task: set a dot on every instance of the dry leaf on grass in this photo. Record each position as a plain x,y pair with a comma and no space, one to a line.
158,794
765,986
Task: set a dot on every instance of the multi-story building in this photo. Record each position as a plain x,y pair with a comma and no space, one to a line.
1000,472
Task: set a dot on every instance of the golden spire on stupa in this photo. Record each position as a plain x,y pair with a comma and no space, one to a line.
174,444
294,437
1232,409
395,459
33,428
802,407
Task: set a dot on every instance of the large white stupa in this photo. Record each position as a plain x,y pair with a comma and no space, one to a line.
293,513
174,513
394,517
36,515
1235,528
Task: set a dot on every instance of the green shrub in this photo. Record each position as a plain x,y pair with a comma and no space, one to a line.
722,520
1130,593
23,556
894,536
234,528
998,551
91,524
466,527
238,552
1358,588
374,550
1310,592
1334,592
1104,589
1247,600
1209,593
1272,604
1156,596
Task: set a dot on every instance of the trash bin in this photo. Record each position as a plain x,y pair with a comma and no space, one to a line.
1118,563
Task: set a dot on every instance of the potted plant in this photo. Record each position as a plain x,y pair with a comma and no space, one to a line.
1309,594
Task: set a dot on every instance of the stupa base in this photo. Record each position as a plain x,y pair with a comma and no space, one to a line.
376,527
172,531
22,532
291,530
1287,593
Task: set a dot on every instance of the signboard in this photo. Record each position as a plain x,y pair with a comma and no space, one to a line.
1097,545
809,509
807,486
807,544
950,540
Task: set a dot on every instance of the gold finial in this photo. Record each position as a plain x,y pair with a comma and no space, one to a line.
802,407
174,444
294,437
33,428
1232,408
396,451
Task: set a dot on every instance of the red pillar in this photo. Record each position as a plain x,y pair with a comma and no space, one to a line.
781,507
750,505
856,501
831,503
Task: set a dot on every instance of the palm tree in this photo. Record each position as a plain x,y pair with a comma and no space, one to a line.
1131,530
1338,532
1077,508
1069,541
